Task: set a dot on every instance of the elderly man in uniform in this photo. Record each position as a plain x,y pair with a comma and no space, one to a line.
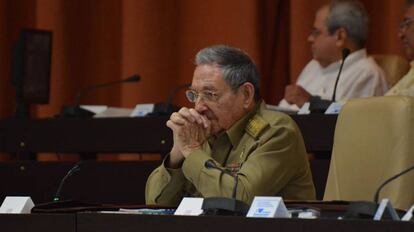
230,127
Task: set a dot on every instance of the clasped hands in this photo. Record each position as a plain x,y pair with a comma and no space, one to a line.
190,130
296,94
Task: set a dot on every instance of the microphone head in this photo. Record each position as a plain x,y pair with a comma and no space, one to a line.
345,53
133,78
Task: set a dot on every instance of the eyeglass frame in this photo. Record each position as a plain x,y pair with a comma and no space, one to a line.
406,23
315,32
207,95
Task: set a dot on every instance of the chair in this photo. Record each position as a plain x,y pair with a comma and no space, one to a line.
374,140
395,67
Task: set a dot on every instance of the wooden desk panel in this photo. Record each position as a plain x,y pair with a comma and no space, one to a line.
106,135
38,222
112,135
96,182
92,222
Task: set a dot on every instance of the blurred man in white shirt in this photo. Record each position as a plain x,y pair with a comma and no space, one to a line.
339,25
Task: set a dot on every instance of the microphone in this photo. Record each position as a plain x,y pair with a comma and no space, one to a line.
345,53
168,108
72,171
318,105
210,164
367,209
133,78
222,205
77,112
389,180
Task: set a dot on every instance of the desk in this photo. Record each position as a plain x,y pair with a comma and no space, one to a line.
94,222
38,222
91,222
111,135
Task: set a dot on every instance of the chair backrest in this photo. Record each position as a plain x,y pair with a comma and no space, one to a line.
395,67
374,140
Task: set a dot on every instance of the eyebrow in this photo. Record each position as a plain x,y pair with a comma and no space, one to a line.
207,87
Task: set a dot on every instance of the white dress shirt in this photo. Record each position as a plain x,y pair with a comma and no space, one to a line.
360,77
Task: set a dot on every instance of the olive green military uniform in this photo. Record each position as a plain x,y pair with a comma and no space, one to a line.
265,148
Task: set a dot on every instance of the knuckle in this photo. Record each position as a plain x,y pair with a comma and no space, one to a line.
183,109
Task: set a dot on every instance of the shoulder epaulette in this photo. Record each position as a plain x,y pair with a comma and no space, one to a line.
256,125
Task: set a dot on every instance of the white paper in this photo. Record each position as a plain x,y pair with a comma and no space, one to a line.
304,109
114,112
282,109
94,108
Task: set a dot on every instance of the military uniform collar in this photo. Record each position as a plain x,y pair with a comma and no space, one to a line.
236,131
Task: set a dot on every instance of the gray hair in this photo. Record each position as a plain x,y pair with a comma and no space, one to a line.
236,65
408,4
352,16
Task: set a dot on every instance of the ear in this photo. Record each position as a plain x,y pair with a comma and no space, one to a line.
247,90
341,36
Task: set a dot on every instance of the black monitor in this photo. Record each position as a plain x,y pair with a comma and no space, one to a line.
31,67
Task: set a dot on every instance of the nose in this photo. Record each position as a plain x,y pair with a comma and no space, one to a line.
199,105
401,33
311,38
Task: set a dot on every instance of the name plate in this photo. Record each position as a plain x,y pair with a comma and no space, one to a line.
17,205
268,207
190,206
334,108
141,110
386,205
408,215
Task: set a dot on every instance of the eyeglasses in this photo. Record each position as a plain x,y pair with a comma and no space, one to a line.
206,96
406,23
315,32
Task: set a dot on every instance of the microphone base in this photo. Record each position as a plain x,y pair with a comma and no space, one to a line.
75,112
65,206
318,105
163,109
361,210
224,207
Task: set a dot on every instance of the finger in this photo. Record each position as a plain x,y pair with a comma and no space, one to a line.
206,122
197,116
177,119
289,97
173,126
185,113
